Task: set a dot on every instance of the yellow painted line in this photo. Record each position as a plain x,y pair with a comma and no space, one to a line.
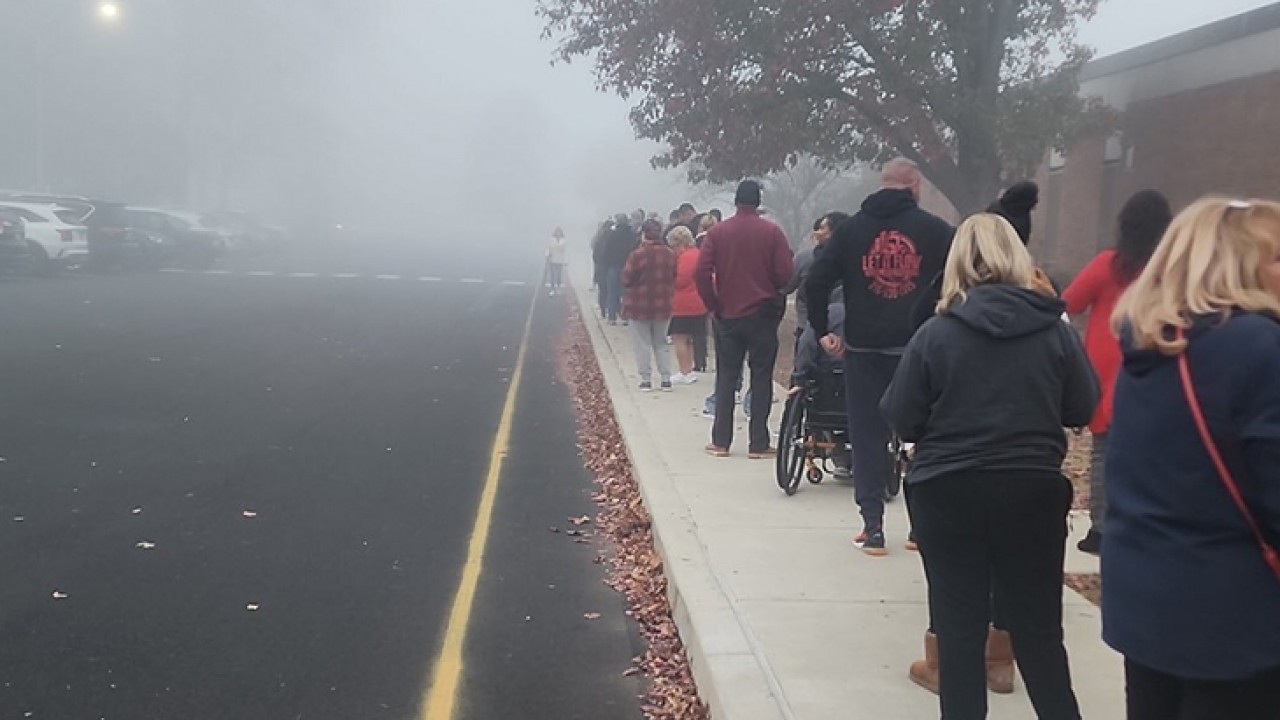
442,693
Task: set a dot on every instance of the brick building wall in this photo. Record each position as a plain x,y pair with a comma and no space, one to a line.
1222,140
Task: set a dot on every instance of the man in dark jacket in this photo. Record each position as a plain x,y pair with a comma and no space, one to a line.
617,249
743,266
885,257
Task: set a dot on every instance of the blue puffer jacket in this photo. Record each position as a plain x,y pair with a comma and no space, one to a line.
1185,588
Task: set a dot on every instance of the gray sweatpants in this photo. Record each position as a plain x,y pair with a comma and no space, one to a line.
1098,493
650,340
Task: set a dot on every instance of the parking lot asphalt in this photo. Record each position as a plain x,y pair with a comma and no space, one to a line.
248,493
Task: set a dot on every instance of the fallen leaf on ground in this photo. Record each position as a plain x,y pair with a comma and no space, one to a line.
592,616
584,520
252,607
144,545
249,514
59,595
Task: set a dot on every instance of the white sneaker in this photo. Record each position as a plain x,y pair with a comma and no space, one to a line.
684,379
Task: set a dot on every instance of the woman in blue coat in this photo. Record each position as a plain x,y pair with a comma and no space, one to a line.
1188,596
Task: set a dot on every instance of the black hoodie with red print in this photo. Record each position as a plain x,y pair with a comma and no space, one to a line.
886,256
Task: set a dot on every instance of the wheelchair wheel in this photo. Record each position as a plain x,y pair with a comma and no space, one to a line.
899,464
791,451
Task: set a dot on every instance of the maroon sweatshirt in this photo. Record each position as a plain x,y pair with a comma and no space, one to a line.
745,262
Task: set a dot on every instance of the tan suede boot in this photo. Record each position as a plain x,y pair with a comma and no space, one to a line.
999,662
925,672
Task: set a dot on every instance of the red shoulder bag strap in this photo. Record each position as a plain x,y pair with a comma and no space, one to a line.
1197,414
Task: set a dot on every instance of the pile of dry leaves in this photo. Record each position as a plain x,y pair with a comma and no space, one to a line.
634,568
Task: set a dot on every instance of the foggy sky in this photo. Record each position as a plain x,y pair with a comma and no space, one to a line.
384,113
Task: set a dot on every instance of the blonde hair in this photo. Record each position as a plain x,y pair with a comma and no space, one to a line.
1212,259
986,251
707,222
680,238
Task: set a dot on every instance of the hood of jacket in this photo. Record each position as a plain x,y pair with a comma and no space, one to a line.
1005,311
888,203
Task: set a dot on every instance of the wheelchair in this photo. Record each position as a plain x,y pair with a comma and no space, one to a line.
814,437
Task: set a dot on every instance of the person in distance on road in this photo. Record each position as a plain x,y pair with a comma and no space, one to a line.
556,260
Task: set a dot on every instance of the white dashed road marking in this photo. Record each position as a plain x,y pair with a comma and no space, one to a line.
344,276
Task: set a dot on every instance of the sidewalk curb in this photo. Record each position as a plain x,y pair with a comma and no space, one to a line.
734,678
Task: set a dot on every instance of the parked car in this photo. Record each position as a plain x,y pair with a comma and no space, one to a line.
175,237
13,241
53,237
255,235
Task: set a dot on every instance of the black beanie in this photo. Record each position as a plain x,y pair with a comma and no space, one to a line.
1016,204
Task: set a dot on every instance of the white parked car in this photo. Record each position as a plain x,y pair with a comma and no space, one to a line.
53,236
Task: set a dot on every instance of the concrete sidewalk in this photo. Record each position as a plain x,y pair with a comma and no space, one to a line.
783,618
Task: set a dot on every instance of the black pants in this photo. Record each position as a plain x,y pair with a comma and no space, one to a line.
866,377
1005,532
755,339
700,348
1153,695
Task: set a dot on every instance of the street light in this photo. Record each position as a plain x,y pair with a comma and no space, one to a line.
109,11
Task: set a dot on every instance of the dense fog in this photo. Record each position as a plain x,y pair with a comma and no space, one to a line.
425,118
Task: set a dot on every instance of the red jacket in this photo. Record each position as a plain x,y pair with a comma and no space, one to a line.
687,301
649,278
745,263
1097,290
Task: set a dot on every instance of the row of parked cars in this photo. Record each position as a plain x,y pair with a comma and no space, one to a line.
40,233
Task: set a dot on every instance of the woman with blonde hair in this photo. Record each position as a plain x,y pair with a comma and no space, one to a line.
984,390
1192,580
688,313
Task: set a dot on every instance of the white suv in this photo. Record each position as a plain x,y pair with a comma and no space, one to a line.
53,238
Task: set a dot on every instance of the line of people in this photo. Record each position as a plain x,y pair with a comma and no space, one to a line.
956,341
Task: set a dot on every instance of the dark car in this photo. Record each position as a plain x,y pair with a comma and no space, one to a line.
175,237
13,241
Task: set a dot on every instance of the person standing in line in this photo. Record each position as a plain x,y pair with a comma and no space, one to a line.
1189,560
984,390
688,314
556,260
1143,221
700,349
744,264
884,257
649,278
823,230
618,247
600,274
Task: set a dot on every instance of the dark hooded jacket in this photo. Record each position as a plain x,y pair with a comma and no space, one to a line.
990,385
618,246
885,257
1188,593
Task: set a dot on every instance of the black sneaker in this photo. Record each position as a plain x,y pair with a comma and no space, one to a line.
666,386
646,386
1091,544
873,545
